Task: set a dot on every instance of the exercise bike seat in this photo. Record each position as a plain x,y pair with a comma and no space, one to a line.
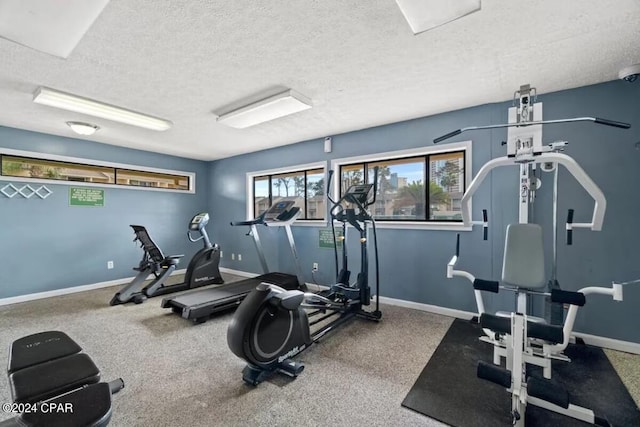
87,406
39,348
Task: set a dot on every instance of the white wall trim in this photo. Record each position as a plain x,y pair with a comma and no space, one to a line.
71,290
598,341
56,157
613,344
287,169
465,146
436,309
594,340
237,272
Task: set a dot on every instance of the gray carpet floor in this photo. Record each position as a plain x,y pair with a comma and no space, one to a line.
180,374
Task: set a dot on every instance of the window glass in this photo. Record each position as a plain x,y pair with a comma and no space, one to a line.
260,194
304,187
62,171
152,179
351,175
401,193
27,167
446,186
316,198
288,186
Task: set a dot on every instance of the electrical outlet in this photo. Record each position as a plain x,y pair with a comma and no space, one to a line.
220,254
233,257
239,257
315,266
109,265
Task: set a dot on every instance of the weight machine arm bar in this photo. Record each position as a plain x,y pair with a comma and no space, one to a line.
600,203
452,272
596,120
615,291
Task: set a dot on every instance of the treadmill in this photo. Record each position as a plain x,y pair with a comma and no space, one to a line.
200,305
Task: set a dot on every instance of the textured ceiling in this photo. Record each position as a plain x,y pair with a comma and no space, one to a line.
357,60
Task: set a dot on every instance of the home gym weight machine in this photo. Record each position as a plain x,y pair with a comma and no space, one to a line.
523,273
202,269
536,343
272,325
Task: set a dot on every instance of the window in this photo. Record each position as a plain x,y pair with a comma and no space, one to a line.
47,169
304,186
151,179
57,168
402,195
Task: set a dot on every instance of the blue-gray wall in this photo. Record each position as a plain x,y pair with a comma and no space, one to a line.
413,262
47,244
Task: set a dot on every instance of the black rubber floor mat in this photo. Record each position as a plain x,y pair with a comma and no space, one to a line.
449,390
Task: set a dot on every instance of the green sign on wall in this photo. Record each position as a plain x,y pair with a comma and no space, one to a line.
81,196
325,238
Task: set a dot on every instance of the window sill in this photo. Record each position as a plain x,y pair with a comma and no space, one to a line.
308,223
407,225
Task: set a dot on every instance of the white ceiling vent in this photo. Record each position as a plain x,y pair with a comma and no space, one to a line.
50,26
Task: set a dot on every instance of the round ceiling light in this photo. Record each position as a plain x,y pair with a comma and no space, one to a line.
82,128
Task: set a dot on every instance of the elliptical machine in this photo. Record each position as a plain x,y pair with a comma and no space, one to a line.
272,325
202,270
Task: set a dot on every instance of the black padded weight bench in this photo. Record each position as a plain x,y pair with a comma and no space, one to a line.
54,384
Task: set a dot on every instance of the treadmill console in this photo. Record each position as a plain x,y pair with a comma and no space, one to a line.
276,211
199,221
359,192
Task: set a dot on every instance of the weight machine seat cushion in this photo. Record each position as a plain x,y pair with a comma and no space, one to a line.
51,379
91,407
523,262
39,348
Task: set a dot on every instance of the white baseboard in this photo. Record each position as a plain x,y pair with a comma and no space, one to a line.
595,340
72,290
237,272
613,344
466,315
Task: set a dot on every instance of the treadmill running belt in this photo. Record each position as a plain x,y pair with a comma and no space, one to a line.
200,305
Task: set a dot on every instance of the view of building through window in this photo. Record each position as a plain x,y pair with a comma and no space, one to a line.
305,187
26,167
402,195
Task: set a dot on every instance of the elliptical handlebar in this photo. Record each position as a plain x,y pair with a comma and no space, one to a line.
329,187
375,188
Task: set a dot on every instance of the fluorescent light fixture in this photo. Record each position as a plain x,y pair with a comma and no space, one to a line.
273,107
66,101
50,26
423,15
82,128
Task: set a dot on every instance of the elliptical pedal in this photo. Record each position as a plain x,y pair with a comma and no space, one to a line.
291,368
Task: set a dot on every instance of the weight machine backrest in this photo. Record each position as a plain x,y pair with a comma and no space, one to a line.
523,262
